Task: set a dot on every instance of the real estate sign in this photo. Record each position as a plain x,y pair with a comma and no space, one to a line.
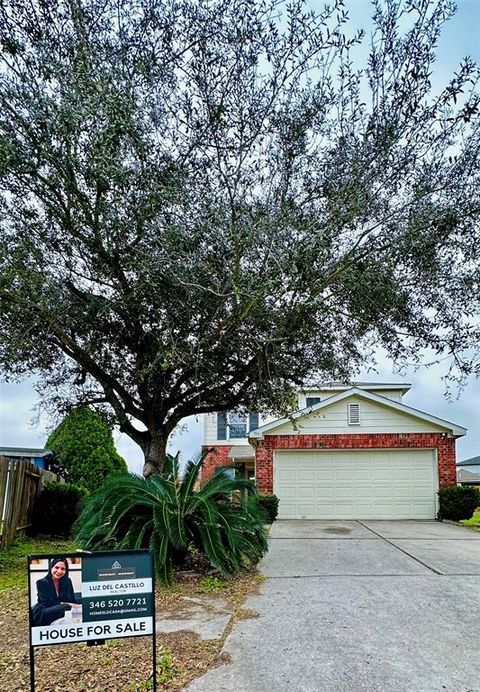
90,596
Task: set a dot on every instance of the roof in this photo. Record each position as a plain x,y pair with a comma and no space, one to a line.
342,387
453,428
474,461
24,452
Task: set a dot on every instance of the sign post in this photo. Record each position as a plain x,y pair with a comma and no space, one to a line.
90,597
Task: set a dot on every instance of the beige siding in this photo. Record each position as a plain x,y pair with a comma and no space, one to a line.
210,430
374,418
393,394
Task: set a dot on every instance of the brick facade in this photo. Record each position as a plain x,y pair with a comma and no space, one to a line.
218,456
444,445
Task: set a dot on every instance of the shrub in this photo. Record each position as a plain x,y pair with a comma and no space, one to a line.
269,504
168,516
84,450
56,509
457,502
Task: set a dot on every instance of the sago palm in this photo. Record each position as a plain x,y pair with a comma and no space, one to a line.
166,515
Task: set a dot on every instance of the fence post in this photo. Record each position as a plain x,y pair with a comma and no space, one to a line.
20,483
3,496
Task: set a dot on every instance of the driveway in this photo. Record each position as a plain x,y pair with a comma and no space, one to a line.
360,605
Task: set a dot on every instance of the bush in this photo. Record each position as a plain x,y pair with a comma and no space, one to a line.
84,450
56,509
269,504
167,516
458,502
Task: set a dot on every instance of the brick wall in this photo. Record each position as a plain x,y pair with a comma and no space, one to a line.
445,447
217,457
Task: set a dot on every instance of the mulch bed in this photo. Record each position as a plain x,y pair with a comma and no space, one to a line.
121,665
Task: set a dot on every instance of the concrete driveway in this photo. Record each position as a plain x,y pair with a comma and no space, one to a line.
360,605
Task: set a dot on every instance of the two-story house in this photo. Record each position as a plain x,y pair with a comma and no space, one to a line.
348,452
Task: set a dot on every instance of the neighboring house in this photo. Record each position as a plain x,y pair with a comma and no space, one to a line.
468,471
348,452
40,457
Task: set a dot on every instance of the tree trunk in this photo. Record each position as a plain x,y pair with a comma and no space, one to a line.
154,451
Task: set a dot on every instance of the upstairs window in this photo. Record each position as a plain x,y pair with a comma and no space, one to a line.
354,414
312,400
235,425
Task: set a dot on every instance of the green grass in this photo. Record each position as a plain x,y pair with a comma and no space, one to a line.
212,584
474,521
13,560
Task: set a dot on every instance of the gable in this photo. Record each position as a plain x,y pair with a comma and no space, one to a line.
377,415
374,418
322,394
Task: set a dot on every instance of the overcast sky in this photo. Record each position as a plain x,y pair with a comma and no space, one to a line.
17,401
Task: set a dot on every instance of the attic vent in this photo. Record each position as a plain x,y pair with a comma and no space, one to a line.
354,414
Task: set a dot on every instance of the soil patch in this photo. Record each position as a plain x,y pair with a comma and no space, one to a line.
120,665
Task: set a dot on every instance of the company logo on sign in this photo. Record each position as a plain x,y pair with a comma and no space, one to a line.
116,571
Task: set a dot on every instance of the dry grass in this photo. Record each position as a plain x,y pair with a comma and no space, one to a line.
120,665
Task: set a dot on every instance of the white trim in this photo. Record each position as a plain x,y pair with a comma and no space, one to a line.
452,428
367,386
436,479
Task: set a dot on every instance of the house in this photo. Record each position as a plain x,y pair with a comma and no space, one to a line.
348,452
40,457
468,471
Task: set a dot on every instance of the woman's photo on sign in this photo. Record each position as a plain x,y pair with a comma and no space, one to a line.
55,591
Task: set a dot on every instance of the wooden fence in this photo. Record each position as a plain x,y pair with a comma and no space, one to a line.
20,483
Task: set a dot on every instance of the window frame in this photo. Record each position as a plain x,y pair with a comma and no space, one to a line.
227,424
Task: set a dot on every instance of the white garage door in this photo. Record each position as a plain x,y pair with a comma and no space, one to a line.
356,484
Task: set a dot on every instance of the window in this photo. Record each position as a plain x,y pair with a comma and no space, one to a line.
354,414
236,425
312,400
227,472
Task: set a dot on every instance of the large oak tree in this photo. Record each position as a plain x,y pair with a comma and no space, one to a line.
205,202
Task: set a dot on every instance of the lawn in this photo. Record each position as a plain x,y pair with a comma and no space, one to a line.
121,665
474,521
13,562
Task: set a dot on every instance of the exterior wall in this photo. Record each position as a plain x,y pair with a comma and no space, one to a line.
444,445
210,419
393,394
374,418
217,457
468,475
210,431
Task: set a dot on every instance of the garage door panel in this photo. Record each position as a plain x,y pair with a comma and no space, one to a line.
382,493
307,493
288,475
350,484
290,493
306,475
342,493
383,474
